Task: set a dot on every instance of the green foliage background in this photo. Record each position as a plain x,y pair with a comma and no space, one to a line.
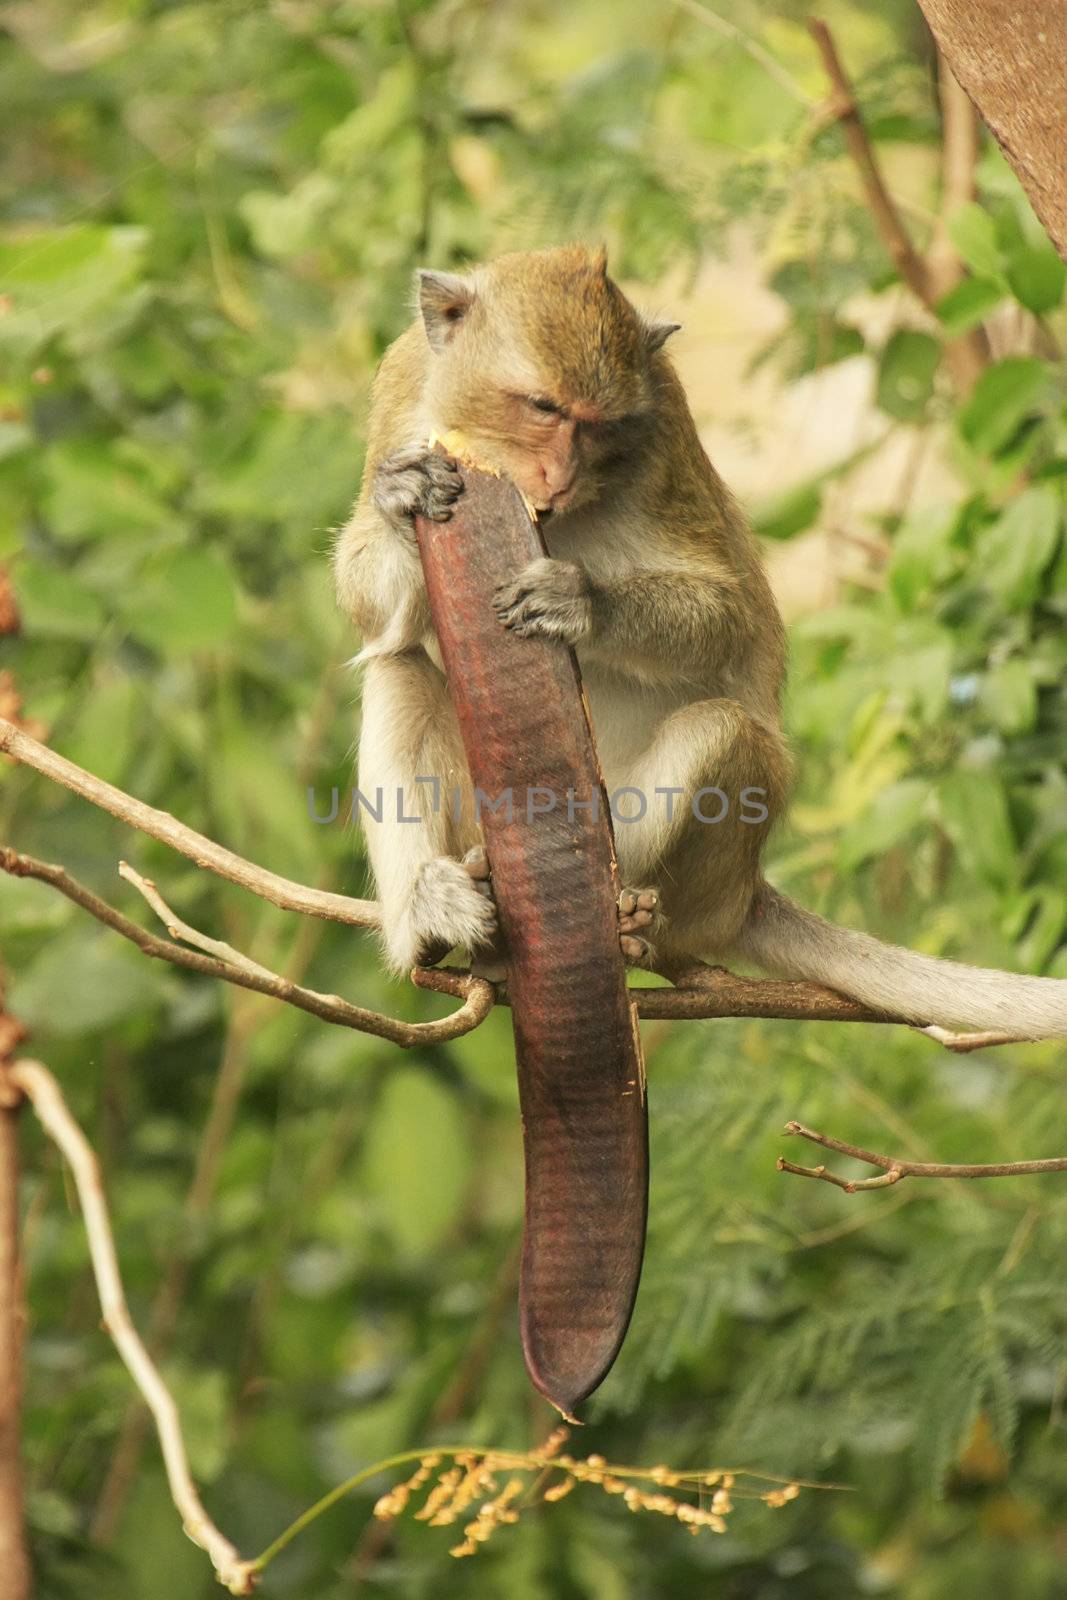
210,217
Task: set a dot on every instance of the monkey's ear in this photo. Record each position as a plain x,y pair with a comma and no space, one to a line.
444,300
657,334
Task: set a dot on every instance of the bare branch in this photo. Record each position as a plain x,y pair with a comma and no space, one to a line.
887,218
283,892
960,149
476,993
703,992
183,930
928,280
43,1093
14,1557
699,991
894,1169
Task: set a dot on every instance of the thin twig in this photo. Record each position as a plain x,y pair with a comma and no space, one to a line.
476,993
283,892
43,1093
894,1169
183,930
752,47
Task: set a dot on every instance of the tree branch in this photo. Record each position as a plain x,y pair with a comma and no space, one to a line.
43,1093
14,1557
476,993
928,279
205,852
704,992
894,1169
699,991
887,218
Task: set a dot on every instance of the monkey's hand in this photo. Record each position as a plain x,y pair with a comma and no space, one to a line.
416,483
548,600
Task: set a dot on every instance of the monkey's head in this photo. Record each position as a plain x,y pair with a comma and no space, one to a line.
541,362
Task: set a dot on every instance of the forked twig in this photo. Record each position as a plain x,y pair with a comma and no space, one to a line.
894,1169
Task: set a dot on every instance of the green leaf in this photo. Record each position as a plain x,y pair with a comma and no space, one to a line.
89,493
906,374
787,514
1009,697
924,553
896,812
969,303
974,812
1003,397
1037,276
416,1160
1012,553
55,602
188,602
286,225
84,983
62,279
974,234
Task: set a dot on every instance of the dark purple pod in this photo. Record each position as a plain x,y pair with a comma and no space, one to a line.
525,727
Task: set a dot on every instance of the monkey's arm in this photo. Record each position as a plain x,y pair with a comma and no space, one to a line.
658,621
376,560
380,583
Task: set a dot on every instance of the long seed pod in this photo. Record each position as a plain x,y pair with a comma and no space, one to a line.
525,728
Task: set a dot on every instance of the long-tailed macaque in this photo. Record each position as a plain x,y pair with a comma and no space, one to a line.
551,376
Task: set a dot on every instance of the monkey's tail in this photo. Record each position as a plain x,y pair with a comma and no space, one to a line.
790,942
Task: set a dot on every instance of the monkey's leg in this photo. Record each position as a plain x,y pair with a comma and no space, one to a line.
419,813
710,785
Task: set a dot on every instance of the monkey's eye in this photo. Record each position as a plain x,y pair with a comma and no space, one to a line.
541,403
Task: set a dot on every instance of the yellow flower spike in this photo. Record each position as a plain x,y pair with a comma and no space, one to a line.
472,1478
556,1439
441,1491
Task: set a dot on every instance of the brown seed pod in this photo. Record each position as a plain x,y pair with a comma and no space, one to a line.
525,727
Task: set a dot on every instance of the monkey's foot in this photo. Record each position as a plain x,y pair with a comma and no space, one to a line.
416,483
549,600
640,919
452,904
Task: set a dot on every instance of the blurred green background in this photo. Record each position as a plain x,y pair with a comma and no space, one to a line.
210,217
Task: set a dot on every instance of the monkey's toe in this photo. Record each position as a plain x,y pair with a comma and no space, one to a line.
640,919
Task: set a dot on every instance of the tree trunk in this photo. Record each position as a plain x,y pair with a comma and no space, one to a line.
1011,57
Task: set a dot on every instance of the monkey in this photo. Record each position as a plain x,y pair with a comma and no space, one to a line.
654,577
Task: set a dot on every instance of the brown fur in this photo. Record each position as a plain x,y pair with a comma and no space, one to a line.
554,378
